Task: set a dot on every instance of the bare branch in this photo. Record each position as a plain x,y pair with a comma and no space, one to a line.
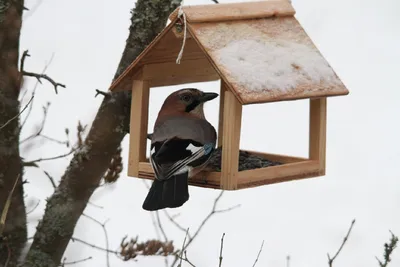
220,251
32,163
7,206
331,260
103,226
183,248
161,227
258,255
33,93
38,76
389,248
50,178
37,204
19,114
213,211
94,246
215,1
288,261
105,94
74,262
41,127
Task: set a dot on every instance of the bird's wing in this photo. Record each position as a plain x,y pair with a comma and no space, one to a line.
174,156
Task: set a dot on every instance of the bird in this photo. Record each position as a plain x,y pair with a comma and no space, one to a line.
182,143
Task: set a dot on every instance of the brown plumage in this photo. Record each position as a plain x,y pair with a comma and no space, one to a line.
181,144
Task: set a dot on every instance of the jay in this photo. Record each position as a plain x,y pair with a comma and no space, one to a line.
182,142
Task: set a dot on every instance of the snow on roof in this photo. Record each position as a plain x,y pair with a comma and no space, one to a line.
268,59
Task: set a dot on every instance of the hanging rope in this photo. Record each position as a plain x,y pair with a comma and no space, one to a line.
182,14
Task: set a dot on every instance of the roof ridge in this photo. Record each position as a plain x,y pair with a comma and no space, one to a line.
236,11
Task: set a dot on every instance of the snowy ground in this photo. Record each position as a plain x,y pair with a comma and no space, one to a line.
305,219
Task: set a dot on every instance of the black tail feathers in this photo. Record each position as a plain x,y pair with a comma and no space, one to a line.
172,193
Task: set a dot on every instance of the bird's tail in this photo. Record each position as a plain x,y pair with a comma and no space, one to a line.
171,193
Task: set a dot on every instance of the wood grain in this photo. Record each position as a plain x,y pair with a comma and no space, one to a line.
138,125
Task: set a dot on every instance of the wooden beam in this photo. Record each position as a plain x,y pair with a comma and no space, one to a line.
317,142
222,91
277,174
138,125
202,179
232,119
188,71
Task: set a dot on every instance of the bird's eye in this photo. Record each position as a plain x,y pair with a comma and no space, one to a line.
186,98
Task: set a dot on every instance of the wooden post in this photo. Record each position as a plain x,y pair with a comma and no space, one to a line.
317,142
138,125
221,112
232,119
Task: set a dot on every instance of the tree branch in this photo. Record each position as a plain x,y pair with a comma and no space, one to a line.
74,262
331,260
389,248
38,76
220,251
88,166
258,255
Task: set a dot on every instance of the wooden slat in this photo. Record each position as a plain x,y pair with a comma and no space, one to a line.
138,126
188,71
281,173
231,141
277,157
222,91
202,179
317,141
236,11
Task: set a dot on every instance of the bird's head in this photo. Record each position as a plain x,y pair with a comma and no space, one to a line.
187,100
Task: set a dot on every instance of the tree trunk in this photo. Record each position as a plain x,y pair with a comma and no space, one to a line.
89,164
14,233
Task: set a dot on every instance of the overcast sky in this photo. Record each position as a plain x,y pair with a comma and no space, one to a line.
306,218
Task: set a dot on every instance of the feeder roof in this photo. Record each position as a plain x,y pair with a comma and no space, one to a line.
258,49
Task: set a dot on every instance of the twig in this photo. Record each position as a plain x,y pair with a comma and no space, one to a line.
16,116
103,226
288,261
37,204
220,251
215,1
94,246
7,206
75,262
8,254
105,94
32,162
51,179
41,127
38,76
183,248
213,211
161,227
331,260
33,92
258,255
389,248
187,260
95,205
172,220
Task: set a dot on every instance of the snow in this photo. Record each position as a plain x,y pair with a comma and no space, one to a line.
260,65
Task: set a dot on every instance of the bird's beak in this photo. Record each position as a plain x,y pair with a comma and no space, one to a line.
208,96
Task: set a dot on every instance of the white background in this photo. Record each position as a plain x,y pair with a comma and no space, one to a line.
307,218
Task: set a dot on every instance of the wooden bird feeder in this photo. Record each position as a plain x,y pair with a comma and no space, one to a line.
261,54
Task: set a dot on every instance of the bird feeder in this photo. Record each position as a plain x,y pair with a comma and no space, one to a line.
261,54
